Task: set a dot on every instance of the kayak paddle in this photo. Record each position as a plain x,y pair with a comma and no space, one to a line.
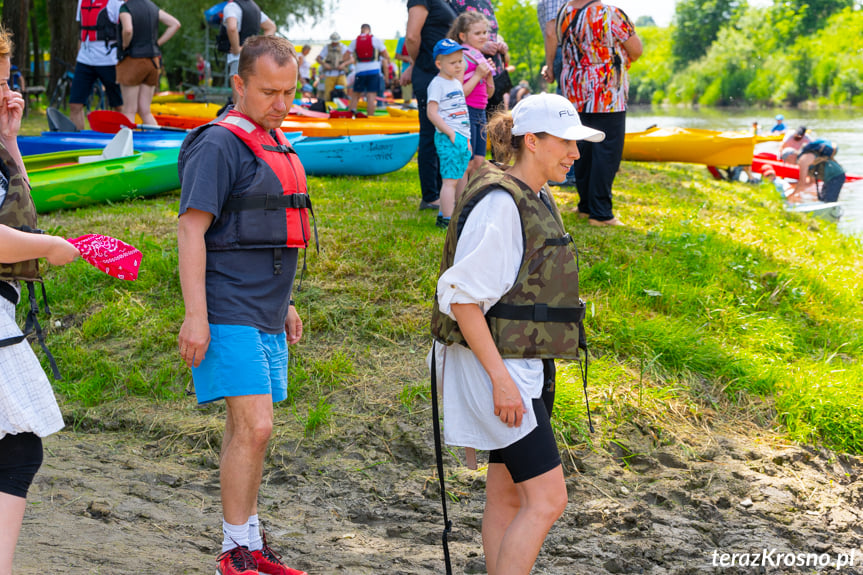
110,122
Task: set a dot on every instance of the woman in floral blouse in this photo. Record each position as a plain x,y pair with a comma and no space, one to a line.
599,43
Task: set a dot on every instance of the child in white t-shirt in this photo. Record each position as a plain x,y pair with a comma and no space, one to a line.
447,110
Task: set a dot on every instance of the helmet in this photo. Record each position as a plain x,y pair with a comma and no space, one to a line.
779,117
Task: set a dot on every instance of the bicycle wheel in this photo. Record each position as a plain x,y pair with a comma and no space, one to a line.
58,98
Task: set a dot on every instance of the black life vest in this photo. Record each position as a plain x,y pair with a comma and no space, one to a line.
273,212
95,24
145,30
251,25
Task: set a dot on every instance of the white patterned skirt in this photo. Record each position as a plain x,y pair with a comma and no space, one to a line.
27,402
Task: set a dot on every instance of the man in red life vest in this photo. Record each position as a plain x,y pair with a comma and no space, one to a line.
97,56
243,217
367,51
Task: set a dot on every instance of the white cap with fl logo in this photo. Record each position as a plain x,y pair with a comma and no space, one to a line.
551,114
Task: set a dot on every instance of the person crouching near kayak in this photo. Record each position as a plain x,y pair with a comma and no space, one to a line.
508,258
817,164
28,410
244,215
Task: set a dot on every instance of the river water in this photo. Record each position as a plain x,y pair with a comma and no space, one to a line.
844,127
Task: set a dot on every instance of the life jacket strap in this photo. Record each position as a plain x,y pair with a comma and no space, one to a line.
8,292
31,324
564,240
282,148
277,261
269,202
438,447
538,312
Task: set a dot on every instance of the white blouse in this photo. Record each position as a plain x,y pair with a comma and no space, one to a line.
485,267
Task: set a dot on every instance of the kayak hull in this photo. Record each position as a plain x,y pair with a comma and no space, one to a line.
340,156
764,160
59,182
356,155
686,145
52,142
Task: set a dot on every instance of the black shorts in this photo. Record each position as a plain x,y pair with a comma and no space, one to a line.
20,459
85,77
536,453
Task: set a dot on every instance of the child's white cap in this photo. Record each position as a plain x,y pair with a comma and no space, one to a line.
551,114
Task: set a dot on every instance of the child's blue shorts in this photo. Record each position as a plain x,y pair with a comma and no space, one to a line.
242,360
453,157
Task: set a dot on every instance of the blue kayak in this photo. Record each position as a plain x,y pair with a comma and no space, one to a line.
51,142
339,156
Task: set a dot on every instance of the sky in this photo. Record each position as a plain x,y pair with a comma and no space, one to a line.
388,17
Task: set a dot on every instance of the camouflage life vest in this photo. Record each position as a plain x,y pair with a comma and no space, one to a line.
541,316
18,211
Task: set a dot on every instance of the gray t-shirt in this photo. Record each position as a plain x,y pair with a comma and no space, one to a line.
449,94
241,287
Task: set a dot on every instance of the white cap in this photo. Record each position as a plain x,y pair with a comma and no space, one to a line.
552,114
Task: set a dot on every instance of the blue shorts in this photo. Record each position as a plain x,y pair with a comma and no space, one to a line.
453,157
86,76
478,132
242,360
365,83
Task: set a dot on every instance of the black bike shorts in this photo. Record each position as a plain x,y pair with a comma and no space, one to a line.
536,453
20,459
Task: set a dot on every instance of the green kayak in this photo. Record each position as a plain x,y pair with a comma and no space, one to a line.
60,181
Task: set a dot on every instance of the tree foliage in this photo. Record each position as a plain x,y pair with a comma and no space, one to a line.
52,26
783,54
517,23
697,24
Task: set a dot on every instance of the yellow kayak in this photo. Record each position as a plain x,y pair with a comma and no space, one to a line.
690,145
399,112
189,109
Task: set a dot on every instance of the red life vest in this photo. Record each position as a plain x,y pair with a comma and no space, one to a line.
92,26
292,198
365,48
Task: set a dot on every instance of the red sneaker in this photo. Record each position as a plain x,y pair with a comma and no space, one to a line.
270,562
237,561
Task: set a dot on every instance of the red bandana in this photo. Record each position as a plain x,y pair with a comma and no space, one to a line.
110,255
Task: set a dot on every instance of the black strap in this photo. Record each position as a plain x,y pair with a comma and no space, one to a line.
8,292
564,240
11,294
268,202
277,261
572,22
31,325
283,148
438,450
537,312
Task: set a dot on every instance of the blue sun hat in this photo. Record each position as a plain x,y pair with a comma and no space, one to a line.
780,117
446,46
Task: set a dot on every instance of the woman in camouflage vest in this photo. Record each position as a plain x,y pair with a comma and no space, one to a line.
28,410
506,305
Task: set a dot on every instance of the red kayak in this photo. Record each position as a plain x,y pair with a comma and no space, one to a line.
764,160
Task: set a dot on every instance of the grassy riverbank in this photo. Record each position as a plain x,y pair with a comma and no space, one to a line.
711,305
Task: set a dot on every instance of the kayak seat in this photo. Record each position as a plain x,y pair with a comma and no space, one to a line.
120,146
59,122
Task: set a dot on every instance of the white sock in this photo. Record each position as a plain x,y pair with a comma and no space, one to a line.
255,541
234,535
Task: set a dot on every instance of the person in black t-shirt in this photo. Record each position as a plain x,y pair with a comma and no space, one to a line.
428,22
